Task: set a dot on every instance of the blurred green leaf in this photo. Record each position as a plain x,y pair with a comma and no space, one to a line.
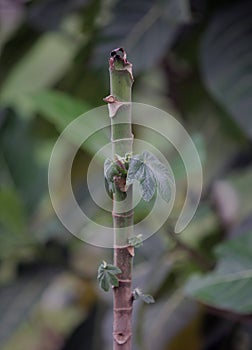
18,149
61,109
229,286
42,66
241,180
58,107
12,212
226,54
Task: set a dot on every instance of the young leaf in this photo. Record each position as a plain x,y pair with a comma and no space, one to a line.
139,170
110,188
115,174
107,276
162,175
104,282
113,269
135,241
113,280
114,167
147,298
110,169
151,173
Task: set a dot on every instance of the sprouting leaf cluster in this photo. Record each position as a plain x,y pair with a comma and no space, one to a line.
145,168
107,276
115,173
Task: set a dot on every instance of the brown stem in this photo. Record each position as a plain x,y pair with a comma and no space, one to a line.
121,80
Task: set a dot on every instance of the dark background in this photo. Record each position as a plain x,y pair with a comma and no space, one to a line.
192,59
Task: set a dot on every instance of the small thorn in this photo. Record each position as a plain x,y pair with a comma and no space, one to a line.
110,99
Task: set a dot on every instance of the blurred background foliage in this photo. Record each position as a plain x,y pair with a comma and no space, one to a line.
191,58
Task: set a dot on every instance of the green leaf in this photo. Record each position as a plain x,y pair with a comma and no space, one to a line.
136,241
113,280
104,282
226,53
146,298
229,286
151,173
107,276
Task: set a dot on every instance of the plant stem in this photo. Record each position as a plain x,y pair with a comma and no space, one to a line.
121,80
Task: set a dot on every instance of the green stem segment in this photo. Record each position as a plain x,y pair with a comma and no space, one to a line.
119,103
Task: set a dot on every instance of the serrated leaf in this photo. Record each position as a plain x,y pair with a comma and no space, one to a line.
139,170
150,172
161,173
229,286
148,185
